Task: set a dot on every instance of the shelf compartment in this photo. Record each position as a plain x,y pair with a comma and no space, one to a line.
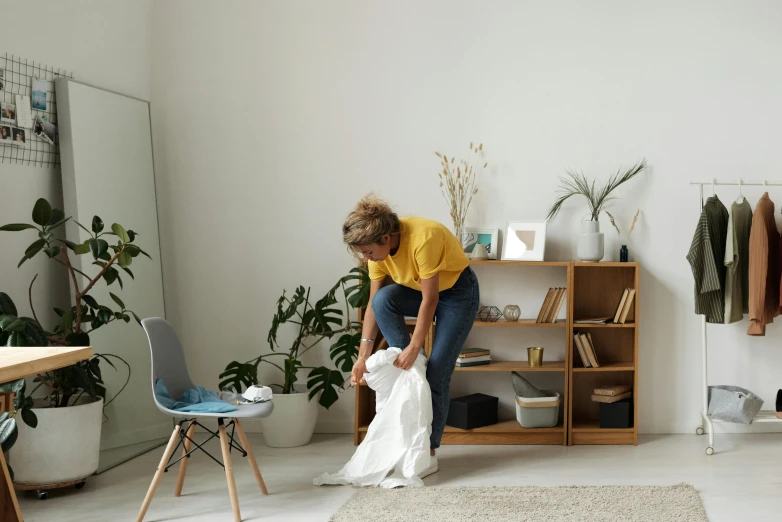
615,347
597,291
514,366
576,326
609,367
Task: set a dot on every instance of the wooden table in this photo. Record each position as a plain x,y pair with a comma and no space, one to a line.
16,363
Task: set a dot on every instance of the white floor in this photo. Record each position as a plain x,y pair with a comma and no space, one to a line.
742,482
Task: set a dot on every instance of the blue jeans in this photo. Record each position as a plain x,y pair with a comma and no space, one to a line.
455,314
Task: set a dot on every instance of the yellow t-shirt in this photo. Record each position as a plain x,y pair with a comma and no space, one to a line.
426,248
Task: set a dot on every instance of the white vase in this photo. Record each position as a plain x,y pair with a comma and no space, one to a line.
590,242
292,422
64,447
479,252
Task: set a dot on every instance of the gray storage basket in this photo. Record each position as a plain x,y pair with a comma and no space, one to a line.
733,404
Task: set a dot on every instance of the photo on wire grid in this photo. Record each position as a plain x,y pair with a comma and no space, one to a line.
5,133
7,112
44,130
19,136
40,88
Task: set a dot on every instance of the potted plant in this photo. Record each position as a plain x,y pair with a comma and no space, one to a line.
591,241
64,446
295,410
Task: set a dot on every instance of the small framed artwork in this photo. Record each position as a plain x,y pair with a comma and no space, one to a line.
524,240
19,137
7,112
5,133
486,236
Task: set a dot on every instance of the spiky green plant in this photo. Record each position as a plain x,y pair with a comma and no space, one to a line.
577,184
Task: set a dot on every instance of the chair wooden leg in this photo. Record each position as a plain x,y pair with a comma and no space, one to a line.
180,481
172,442
251,457
229,472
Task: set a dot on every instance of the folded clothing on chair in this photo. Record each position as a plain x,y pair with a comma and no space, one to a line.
194,400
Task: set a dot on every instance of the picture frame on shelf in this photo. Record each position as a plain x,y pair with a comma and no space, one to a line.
524,240
488,237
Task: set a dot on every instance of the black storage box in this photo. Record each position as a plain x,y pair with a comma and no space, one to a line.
473,411
617,414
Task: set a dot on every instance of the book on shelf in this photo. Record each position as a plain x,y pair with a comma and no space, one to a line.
609,399
589,348
466,364
473,352
556,305
545,306
593,320
628,304
621,306
581,351
610,391
468,360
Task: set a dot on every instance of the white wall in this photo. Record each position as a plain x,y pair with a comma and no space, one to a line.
104,43
272,119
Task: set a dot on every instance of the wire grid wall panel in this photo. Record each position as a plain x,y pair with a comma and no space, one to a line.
18,75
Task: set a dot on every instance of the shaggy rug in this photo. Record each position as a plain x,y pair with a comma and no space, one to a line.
679,503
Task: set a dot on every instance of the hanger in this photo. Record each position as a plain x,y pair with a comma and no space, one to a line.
713,183
741,194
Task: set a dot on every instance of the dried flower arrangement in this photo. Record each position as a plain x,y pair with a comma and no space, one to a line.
632,225
457,182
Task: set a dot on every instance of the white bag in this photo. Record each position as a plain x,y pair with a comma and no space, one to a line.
398,437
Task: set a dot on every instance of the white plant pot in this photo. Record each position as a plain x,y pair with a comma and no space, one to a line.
590,242
292,422
64,447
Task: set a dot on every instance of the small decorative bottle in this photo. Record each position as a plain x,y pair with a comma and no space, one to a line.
623,254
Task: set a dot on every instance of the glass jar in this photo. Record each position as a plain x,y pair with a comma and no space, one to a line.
512,313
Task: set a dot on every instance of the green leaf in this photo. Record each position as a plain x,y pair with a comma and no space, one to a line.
7,306
14,387
78,339
29,417
57,216
117,300
138,320
16,339
127,270
91,302
59,312
52,251
357,295
133,250
291,366
42,212
69,244
238,376
36,336
283,315
99,247
97,224
124,260
110,276
9,323
345,350
66,321
17,227
120,232
46,236
132,235
8,433
21,262
327,382
105,315
82,248
34,248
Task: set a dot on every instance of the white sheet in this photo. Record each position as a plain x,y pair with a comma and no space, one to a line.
398,437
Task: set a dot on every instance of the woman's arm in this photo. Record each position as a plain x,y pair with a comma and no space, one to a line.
368,331
430,290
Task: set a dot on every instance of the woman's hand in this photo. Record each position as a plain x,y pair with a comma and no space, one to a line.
359,369
407,358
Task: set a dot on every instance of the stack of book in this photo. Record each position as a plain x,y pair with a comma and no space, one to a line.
611,394
586,349
551,305
624,306
473,357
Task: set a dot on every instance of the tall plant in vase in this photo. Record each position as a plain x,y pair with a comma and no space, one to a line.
591,241
458,184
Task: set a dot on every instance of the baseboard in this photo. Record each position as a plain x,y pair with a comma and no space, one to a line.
721,427
119,440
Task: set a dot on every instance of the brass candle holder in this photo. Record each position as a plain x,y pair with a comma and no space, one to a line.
535,356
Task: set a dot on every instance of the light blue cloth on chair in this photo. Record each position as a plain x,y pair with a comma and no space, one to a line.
196,400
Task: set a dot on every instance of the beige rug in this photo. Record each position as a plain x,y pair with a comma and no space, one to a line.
525,504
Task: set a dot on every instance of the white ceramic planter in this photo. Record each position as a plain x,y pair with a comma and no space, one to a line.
63,447
590,242
292,422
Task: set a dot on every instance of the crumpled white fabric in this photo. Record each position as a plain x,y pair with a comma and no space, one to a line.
398,437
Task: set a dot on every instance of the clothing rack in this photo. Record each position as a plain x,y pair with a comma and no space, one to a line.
763,416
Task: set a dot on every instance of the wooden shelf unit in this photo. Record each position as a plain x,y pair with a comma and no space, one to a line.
505,432
595,291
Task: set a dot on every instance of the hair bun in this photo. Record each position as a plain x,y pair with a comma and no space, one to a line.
370,220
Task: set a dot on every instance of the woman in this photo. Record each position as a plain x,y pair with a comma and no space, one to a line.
417,267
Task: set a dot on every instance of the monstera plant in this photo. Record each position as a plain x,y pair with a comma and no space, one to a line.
312,324
111,251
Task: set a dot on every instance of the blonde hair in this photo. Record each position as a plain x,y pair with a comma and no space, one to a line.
369,222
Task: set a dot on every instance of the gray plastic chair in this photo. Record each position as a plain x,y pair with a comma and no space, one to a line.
168,364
